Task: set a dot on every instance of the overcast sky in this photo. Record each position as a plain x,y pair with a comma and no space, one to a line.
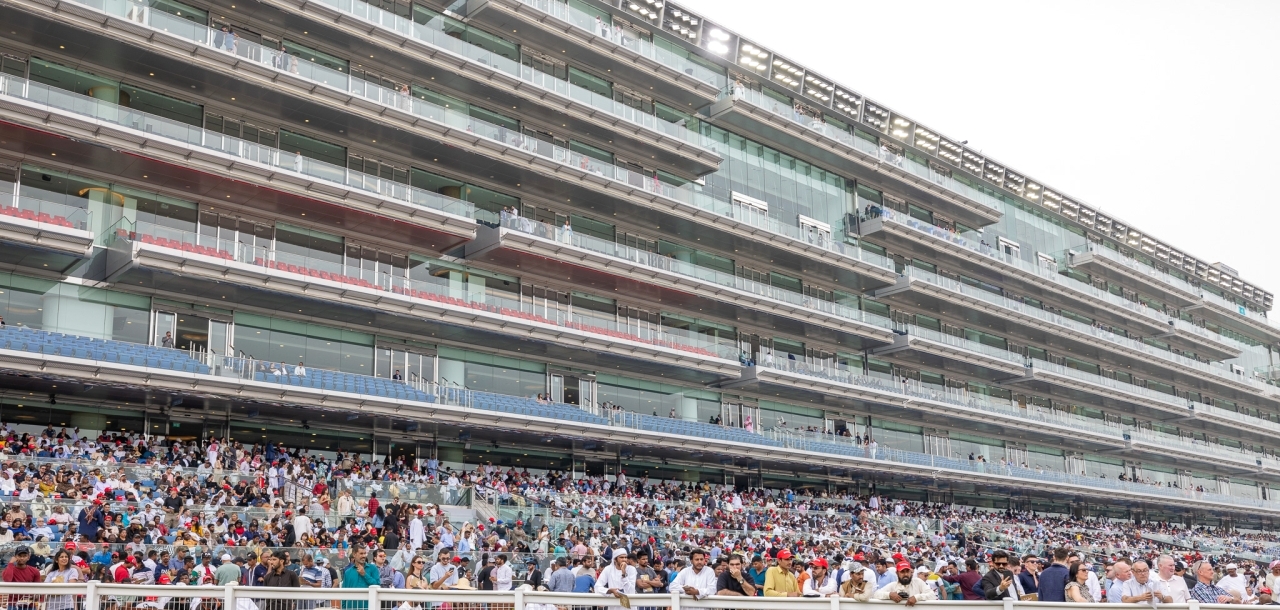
1165,114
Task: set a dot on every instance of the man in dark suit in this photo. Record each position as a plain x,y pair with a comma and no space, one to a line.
998,582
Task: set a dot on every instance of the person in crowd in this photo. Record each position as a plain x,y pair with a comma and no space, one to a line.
906,588
779,580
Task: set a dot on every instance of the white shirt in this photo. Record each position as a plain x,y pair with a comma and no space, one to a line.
704,581
1235,583
301,525
825,589
612,578
502,576
1094,587
417,535
1133,588
1175,587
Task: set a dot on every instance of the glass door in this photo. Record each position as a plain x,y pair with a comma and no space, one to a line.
398,363
572,389
164,325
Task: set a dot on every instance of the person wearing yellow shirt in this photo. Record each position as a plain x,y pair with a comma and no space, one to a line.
780,580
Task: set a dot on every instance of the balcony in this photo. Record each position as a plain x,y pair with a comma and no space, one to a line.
1107,263
56,356
923,288
899,230
182,262
44,235
89,119
754,113
1237,316
638,63
852,391
1106,387
942,351
734,228
1169,445
683,152
610,267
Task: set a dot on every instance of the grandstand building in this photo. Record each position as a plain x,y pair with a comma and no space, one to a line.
694,246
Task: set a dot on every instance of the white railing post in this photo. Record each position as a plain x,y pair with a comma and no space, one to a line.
373,597
1008,603
91,595
835,602
519,600
229,597
675,601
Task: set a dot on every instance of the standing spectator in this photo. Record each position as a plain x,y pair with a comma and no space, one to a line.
998,582
312,576
19,571
779,580
501,575
63,571
617,579
696,579
387,577
561,580
228,573
360,574
277,576
1053,580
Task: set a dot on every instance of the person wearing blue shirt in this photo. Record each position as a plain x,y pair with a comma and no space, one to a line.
1053,580
586,581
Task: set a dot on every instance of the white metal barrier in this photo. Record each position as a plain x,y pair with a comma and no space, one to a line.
98,596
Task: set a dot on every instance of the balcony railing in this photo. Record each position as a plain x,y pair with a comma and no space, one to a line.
432,34
62,100
817,125
47,212
1146,270
1114,384
218,367
690,193
929,334
1043,272
433,289
673,265
951,285
591,24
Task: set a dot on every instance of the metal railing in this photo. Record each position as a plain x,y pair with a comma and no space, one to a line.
436,289
47,212
591,23
1147,270
673,265
285,375
1217,370
816,124
53,98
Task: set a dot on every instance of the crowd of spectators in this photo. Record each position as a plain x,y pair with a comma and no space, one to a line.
127,509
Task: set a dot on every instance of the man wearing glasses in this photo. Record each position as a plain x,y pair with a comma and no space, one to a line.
1030,576
998,582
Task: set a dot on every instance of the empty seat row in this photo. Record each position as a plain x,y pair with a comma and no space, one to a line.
32,215
315,273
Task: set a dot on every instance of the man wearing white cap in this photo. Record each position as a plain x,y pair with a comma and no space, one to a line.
617,578
1234,582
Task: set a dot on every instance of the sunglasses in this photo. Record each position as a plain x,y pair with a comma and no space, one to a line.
1001,564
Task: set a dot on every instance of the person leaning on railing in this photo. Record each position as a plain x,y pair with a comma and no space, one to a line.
779,580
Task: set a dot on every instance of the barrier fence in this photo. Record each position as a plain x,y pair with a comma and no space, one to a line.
99,596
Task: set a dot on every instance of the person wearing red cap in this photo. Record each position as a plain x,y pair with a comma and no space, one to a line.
907,588
779,580
821,583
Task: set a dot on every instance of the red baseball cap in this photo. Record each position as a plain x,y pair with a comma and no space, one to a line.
820,562
902,565
784,554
